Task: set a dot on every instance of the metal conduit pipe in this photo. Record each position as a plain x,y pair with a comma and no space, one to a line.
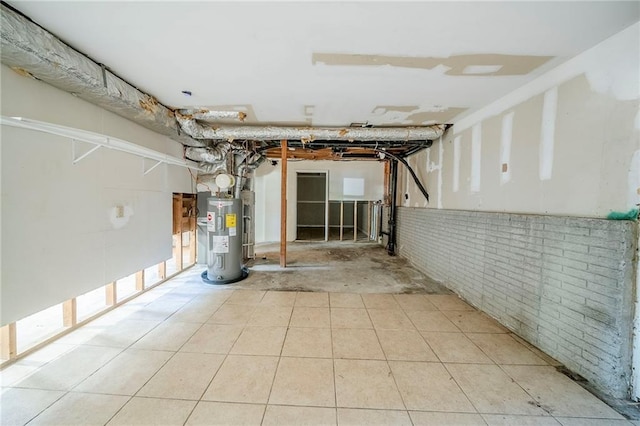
413,174
309,134
391,244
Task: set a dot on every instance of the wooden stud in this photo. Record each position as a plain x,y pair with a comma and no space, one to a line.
177,230
177,213
192,247
70,313
355,220
341,218
8,341
387,177
140,280
111,293
162,270
189,220
177,251
283,203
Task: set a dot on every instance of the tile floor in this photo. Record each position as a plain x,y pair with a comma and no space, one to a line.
188,353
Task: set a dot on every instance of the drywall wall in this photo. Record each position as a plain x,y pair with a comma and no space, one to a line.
565,144
364,178
60,234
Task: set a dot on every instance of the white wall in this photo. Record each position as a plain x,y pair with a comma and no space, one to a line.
574,143
60,236
267,187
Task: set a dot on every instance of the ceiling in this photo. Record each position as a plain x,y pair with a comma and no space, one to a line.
332,64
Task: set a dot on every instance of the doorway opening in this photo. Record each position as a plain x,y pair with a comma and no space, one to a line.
311,206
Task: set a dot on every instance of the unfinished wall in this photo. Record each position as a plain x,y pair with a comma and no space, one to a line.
566,144
60,235
564,147
267,187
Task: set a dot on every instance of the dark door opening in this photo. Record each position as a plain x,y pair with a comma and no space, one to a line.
311,207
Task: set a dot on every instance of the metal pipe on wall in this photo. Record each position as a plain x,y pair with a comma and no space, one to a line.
391,245
413,174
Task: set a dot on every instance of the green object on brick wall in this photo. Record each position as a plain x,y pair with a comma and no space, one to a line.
630,215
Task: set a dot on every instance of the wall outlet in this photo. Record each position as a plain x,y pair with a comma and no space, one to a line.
119,211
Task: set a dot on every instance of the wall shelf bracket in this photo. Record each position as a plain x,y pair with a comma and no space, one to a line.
74,148
148,170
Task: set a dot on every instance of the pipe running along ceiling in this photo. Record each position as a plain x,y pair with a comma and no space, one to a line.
33,51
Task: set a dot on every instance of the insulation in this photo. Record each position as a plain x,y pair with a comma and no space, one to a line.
230,133
209,155
33,50
207,115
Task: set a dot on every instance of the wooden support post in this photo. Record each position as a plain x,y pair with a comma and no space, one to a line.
193,228
140,280
8,342
283,203
387,174
162,270
189,223
111,293
355,220
369,220
192,247
341,218
70,313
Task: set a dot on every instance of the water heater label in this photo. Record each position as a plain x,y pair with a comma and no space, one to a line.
231,220
220,244
233,232
211,220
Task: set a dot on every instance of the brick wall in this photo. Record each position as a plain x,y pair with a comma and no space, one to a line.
564,284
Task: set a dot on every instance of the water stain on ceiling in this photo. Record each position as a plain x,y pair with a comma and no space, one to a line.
414,115
458,65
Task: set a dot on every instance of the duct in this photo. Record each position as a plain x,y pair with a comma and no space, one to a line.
215,154
309,134
207,115
213,168
31,50
249,165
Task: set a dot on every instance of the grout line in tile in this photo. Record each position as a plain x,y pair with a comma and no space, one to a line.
533,398
461,389
275,374
47,407
333,364
404,404
119,409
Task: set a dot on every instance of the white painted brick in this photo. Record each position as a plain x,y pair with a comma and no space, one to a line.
546,277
